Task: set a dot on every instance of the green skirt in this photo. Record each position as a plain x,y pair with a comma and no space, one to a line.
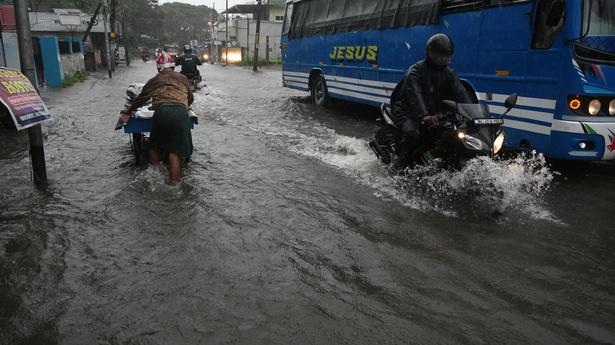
171,130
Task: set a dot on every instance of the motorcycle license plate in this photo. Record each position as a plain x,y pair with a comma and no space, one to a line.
479,122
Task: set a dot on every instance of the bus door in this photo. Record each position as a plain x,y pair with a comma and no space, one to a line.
545,64
504,42
505,36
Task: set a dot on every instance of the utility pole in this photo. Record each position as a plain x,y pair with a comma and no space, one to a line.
107,46
248,38
124,37
26,58
257,36
226,31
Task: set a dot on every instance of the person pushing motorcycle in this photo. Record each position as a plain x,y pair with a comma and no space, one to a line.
171,99
417,100
189,63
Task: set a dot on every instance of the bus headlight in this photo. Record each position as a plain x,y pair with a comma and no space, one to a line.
498,143
594,107
612,107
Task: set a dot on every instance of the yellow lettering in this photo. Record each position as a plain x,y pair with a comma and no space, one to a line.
9,88
360,53
333,54
13,87
340,53
350,53
372,53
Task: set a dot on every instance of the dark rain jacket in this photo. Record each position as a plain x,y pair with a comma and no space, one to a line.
189,63
421,93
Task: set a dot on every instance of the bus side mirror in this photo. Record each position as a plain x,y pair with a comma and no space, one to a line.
555,13
511,101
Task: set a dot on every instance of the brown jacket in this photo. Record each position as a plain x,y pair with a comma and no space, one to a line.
166,87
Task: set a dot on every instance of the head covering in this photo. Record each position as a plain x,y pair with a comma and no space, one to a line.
439,50
164,60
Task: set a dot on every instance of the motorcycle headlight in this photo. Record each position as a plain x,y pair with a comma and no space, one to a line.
472,142
498,143
594,107
612,107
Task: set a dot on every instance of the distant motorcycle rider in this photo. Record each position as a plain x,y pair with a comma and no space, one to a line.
418,98
189,63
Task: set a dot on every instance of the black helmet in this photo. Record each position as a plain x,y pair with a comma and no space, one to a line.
439,50
187,49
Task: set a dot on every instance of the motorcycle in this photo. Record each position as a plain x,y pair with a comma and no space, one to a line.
464,132
196,81
139,124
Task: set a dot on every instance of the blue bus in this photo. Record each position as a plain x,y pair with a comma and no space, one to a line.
558,55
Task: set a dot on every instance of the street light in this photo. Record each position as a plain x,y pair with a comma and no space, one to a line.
187,29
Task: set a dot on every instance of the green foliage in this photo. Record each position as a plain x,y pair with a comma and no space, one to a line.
164,22
78,77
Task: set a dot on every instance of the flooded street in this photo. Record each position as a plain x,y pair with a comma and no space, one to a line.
286,230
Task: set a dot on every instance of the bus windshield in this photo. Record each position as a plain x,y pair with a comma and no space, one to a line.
600,16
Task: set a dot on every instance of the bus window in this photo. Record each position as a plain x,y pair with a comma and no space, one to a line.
287,19
549,23
601,19
460,5
325,17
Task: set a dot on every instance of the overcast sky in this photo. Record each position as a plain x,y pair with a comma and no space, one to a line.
220,4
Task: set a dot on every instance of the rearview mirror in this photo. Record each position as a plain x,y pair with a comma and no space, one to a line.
452,105
511,101
555,13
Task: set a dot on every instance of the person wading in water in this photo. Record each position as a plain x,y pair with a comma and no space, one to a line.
171,99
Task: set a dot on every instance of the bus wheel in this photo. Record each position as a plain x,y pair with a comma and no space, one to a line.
319,91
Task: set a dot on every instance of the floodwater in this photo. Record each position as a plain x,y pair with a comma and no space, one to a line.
286,230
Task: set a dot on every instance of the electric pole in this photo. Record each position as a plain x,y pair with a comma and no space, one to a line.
226,31
125,37
257,36
26,59
107,46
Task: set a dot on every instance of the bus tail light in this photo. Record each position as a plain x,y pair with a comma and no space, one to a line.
612,107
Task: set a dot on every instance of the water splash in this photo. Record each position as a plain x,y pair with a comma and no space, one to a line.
483,186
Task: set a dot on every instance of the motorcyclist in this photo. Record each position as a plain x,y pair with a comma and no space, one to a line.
417,100
189,63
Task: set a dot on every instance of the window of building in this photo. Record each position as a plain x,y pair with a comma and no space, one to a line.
64,47
76,47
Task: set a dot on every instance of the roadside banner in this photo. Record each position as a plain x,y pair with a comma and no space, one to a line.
18,95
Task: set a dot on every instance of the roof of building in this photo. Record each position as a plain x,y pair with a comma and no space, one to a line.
63,20
249,8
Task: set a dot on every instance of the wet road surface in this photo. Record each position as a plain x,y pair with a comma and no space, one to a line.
286,230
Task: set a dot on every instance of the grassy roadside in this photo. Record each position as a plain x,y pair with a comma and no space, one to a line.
78,77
